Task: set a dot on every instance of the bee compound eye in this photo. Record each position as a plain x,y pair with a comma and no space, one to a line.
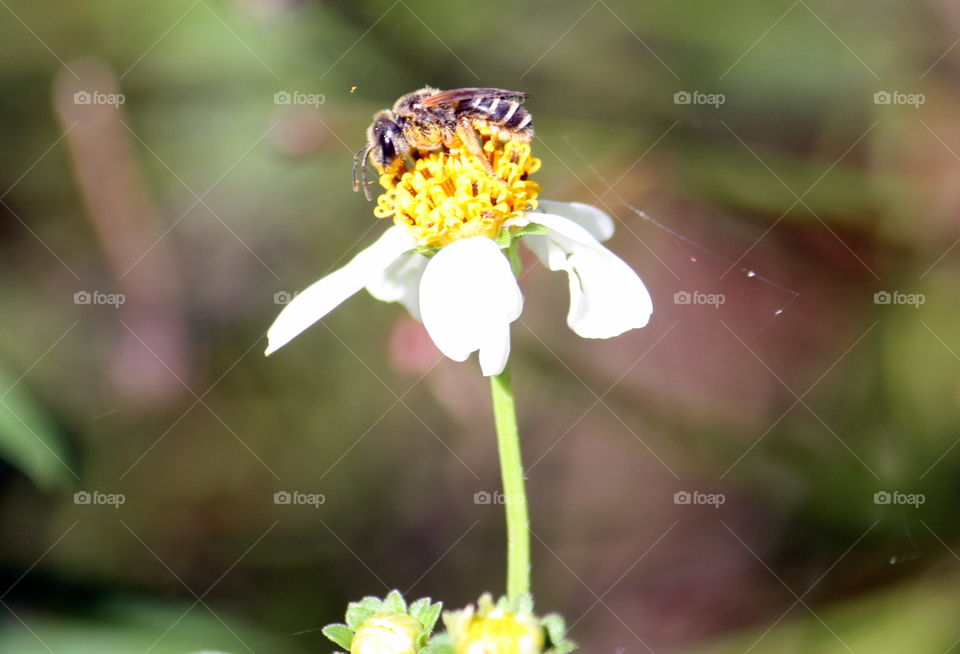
387,149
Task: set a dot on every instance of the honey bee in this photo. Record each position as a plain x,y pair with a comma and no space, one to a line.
430,119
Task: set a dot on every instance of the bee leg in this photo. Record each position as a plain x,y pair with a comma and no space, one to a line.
364,166
359,157
468,137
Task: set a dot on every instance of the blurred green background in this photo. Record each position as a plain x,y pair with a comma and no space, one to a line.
796,160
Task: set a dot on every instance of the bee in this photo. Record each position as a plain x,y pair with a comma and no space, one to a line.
429,119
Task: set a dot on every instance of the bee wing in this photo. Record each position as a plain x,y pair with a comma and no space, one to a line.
458,95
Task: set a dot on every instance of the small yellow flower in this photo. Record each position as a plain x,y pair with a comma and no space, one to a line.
450,194
494,630
387,633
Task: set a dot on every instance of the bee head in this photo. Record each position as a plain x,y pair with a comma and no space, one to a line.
387,142
386,145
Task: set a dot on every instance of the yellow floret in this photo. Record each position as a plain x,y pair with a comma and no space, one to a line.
450,194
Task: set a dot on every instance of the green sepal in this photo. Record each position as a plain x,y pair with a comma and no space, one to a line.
513,254
359,612
439,644
555,625
417,608
507,236
556,628
426,613
564,647
341,634
532,228
393,603
426,250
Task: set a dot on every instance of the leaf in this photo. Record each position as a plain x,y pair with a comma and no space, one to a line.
29,439
341,634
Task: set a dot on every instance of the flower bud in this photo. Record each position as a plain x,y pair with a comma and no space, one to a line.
495,630
387,633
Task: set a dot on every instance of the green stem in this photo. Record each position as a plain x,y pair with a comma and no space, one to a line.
514,495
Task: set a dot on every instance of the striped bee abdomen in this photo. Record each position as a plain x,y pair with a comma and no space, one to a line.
505,113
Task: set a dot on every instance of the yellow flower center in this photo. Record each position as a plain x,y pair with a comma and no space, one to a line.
500,633
450,194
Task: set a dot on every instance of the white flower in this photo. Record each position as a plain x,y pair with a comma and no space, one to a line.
466,294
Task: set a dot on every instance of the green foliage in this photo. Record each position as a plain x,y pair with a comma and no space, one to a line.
131,625
28,437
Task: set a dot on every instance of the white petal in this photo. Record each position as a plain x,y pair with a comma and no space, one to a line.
400,282
552,248
598,223
324,295
495,351
607,297
468,298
